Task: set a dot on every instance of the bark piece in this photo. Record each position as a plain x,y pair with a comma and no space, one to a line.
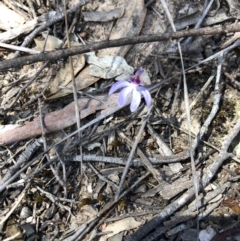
171,190
58,120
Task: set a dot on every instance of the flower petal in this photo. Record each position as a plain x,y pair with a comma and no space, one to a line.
139,72
123,95
118,85
146,94
136,99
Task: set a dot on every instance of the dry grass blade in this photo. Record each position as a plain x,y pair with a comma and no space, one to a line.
74,88
133,149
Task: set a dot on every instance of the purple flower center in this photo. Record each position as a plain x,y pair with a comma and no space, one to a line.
135,79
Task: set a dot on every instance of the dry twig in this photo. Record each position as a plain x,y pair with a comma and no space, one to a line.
175,205
59,54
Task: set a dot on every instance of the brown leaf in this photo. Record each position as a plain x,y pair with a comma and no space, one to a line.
63,77
132,20
52,43
232,204
13,229
119,226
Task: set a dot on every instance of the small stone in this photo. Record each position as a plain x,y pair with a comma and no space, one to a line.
25,213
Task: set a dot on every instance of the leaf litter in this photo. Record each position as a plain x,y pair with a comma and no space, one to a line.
66,196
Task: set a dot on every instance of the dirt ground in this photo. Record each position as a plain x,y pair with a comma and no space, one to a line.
74,165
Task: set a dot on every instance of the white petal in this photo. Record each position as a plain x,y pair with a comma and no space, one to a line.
118,85
146,94
136,99
123,95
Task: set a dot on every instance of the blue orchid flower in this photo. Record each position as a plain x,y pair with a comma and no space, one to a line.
134,87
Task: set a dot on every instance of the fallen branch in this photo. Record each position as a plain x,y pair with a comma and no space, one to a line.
63,53
24,157
58,120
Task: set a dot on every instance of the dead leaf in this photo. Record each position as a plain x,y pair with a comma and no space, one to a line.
12,92
9,19
22,29
63,76
232,204
234,8
103,16
119,226
13,229
52,43
132,20
108,67
171,190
